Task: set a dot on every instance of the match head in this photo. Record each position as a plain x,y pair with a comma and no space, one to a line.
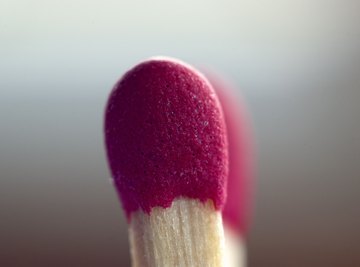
165,137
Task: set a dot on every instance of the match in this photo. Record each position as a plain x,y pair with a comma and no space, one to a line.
166,144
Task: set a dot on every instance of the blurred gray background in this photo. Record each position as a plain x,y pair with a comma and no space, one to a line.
296,62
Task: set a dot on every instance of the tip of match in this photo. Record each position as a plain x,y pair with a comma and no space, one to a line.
165,136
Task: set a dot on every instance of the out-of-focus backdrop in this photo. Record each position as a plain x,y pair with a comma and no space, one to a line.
296,62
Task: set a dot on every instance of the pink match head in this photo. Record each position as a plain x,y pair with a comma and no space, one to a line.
237,209
165,137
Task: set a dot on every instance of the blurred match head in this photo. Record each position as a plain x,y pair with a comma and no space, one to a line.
165,137
237,210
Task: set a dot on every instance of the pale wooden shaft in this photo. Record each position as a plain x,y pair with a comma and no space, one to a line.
189,233
235,249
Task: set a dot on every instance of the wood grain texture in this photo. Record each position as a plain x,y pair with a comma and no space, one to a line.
189,233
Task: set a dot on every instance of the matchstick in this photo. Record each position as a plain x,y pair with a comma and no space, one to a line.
189,233
166,144
236,213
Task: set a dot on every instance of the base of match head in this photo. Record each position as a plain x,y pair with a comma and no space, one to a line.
189,233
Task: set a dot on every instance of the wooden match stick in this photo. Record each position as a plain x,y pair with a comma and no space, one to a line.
236,213
166,144
189,233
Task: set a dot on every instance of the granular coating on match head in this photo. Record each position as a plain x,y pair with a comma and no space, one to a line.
165,137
